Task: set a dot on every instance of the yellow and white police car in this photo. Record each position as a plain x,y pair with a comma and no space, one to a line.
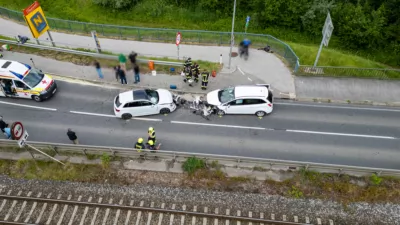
20,80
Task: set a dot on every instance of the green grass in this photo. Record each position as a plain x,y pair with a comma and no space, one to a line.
166,16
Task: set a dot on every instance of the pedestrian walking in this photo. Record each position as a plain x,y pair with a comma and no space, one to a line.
72,136
122,75
136,71
98,69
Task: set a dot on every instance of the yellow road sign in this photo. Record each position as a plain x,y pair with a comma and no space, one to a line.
36,20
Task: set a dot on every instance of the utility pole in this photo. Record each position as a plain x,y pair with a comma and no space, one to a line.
232,37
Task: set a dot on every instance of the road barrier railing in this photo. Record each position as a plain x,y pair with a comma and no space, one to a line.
253,164
87,53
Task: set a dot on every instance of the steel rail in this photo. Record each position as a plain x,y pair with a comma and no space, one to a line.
148,209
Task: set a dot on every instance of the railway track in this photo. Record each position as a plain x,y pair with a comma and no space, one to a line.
52,208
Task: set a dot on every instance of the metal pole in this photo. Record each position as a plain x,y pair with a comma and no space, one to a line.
44,154
233,27
51,38
319,51
178,51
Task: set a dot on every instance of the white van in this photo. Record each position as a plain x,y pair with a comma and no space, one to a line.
20,80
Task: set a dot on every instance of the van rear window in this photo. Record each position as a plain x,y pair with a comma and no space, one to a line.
5,65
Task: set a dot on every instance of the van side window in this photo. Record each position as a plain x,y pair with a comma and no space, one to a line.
19,84
254,101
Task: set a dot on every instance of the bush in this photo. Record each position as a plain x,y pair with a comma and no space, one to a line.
116,4
295,192
375,179
192,164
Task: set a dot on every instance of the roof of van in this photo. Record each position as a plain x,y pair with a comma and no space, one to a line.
251,91
13,69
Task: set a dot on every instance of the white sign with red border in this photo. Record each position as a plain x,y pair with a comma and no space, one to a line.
178,38
17,130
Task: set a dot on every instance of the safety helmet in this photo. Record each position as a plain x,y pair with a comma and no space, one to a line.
151,128
150,142
140,140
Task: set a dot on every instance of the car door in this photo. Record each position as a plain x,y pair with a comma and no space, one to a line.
132,108
235,107
253,105
148,108
23,91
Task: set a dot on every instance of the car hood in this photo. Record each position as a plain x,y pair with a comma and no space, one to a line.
212,98
165,97
44,83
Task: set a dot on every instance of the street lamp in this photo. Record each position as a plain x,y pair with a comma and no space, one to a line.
232,38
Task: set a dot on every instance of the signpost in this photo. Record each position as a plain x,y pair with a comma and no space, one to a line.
178,41
19,134
96,40
247,23
326,35
36,21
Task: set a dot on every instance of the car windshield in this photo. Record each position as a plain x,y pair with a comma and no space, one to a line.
33,78
153,96
226,95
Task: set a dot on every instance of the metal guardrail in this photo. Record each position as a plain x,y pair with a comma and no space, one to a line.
255,164
164,35
350,72
84,53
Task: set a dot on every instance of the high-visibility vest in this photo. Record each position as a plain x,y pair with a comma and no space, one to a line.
205,76
152,134
139,145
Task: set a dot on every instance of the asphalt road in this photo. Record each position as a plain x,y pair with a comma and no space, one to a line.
339,134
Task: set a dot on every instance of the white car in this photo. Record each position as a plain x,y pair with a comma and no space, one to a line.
143,102
243,99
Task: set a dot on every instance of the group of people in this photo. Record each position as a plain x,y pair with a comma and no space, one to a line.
192,72
120,70
151,141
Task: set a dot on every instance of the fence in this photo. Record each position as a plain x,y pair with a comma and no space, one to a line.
353,72
90,54
255,164
164,35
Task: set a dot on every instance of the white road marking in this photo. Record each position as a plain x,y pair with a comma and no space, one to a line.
28,106
218,125
340,134
337,107
240,71
113,116
250,79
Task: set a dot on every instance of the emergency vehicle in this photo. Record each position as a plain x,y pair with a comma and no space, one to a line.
20,80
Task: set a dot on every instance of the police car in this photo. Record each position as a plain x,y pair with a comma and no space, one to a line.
243,99
20,80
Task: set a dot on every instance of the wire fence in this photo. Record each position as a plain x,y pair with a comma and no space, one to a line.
164,35
253,164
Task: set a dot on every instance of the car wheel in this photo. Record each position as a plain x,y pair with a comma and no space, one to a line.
126,116
165,111
260,114
37,98
220,113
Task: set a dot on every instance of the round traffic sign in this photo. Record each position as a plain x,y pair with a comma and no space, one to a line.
178,38
17,130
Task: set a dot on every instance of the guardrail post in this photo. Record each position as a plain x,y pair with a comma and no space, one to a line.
69,24
112,152
84,152
340,172
379,173
306,168
54,149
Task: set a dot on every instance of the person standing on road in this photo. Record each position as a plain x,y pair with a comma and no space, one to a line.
116,70
122,61
204,79
152,134
136,71
122,75
98,69
72,136
139,145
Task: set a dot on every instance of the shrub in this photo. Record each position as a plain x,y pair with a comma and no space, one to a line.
192,164
375,179
116,4
295,192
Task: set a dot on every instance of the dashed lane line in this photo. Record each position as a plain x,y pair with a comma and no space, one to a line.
113,116
28,106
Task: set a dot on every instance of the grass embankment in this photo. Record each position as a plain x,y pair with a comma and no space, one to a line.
106,63
199,175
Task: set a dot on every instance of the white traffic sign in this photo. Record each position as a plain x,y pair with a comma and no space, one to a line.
22,141
17,130
327,30
178,38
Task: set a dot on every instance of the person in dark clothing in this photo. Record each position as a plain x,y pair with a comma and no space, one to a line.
122,75
196,72
267,49
139,146
116,73
132,57
23,39
3,124
98,69
136,71
72,136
